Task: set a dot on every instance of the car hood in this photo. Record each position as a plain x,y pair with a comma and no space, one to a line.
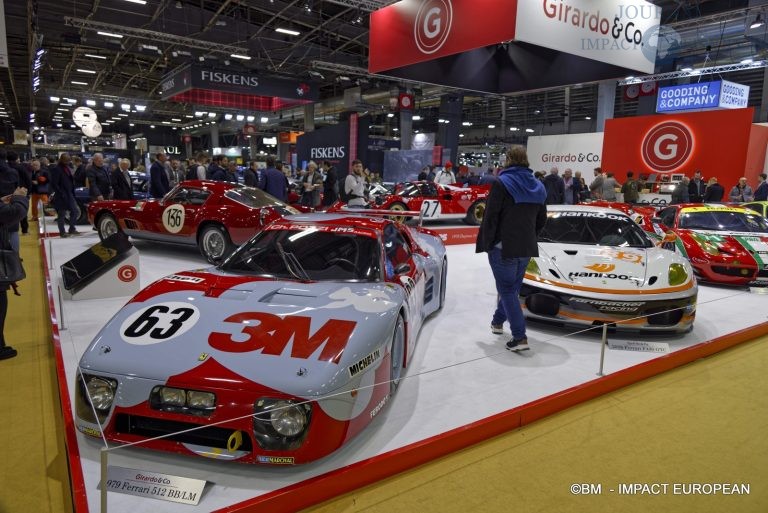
751,248
303,339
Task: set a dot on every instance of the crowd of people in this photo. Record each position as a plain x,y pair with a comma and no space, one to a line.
571,188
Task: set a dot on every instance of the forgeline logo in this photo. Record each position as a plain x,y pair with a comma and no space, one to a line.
601,268
667,146
432,25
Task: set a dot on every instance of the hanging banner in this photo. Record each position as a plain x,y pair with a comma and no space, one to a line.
718,94
680,143
3,39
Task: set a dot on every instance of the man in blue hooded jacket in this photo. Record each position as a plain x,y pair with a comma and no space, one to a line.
515,213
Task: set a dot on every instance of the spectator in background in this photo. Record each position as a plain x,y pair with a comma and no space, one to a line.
488,178
330,185
158,178
424,173
680,193
80,171
216,170
40,186
120,180
354,185
98,179
251,175
609,187
630,190
177,173
642,183
555,187
201,173
741,192
572,188
63,187
311,184
583,189
273,180
714,192
13,209
761,193
231,174
445,175
25,180
696,188
596,187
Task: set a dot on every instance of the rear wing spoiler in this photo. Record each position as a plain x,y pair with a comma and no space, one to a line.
373,212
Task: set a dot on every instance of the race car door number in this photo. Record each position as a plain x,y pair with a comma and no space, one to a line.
430,208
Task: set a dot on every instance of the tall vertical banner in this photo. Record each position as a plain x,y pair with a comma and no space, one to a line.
714,142
3,38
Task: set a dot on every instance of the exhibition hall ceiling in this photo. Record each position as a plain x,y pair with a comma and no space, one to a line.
84,59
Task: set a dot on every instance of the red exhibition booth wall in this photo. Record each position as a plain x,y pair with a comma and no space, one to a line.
721,143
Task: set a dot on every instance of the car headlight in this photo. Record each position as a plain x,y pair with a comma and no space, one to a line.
179,400
533,267
281,424
677,274
94,393
197,399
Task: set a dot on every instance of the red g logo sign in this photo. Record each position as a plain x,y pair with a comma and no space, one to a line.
127,273
432,25
667,146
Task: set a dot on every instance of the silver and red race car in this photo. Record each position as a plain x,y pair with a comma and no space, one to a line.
280,355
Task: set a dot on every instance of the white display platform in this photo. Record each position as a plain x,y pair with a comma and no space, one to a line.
460,374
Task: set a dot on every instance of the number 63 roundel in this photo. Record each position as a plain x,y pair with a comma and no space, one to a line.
159,323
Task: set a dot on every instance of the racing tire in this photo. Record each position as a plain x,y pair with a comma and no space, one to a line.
443,283
398,207
475,213
106,225
396,355
214,243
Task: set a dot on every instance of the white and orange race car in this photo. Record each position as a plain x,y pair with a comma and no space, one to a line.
597,266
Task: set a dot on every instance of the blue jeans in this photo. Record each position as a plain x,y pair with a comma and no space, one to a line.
508,273
71,207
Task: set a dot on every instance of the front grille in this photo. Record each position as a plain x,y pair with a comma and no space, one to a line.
664,318
742,272
211,436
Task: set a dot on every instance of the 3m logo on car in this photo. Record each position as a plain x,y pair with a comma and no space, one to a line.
271,334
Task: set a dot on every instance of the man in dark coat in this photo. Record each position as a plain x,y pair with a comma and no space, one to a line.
25,180
515,213
330,185
215,170
63,186
120,180
761,193
274,182
696,188
714,192
158,178
555,187
99,187
251,175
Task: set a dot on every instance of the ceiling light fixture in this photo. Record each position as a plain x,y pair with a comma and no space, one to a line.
90,103
240,117
109,105
109,34
239,56
141,108
211,114
79,83
88,71
140,2
491,126
417,118
757,23
529,130
227,116
94,56
264,119
250,118
55,98
287,31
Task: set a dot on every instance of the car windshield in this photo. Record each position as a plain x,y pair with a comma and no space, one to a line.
603,229
413,190
254,198
723,221
309,254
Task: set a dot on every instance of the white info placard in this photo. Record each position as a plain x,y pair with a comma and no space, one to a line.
154,485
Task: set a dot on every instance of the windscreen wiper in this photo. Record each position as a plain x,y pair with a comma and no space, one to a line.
292,264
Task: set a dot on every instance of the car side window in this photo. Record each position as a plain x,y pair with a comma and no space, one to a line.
197,196
756,207
180,196
396,249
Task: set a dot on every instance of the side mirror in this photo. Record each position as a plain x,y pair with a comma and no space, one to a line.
402,269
